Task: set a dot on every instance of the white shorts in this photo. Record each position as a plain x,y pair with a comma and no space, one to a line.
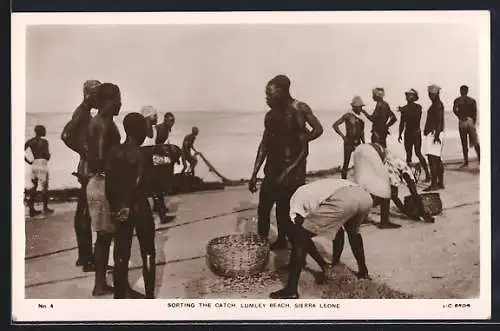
348,207
40,171
434,148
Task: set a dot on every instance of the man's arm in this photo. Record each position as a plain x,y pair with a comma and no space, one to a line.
261,150
439,125
392,117
313,121
371,117
68,135
402,122
100,134
363,132
337,124
26,146
455,108
474,111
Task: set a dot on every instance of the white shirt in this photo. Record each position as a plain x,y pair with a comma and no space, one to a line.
308,197
151,141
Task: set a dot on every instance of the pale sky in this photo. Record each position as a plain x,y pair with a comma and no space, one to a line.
225,67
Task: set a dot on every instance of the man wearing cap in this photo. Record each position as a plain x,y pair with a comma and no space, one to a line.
354,135
433,132
464,107
411,115
330,206
74,136
382,118
284,147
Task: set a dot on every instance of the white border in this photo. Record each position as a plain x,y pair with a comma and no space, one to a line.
102,310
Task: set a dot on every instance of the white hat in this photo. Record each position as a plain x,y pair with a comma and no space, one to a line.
149,111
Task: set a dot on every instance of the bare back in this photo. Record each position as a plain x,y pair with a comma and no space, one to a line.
39,148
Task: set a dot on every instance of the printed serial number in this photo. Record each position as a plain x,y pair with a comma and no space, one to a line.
457,305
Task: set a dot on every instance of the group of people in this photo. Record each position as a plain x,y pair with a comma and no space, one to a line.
116,181
118,178
332,206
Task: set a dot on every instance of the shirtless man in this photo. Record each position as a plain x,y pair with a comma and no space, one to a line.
284,148
102,136
355,131
187,146
464,107
39,169
411,115
382,118
126,167
74,136
433,132
157,134
165,128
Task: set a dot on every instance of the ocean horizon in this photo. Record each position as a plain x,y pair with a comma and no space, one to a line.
228,139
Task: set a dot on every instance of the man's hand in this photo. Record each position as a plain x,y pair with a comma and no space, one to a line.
399,139
252,185
282,178
123,214
436,139
299,220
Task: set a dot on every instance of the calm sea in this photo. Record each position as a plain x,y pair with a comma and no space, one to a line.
229,140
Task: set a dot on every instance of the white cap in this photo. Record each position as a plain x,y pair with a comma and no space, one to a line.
148,111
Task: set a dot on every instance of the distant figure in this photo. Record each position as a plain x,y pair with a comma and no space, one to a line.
165,128
74,136
126,167
39,169
187,157
411,115
355,131
433,131
382,118
284,148
400,172
102,136
464,107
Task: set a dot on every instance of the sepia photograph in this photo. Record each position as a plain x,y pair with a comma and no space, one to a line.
251,166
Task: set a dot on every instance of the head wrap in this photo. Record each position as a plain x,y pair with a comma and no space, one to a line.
149,111
434,89
379,92
412,92
370,171
357,101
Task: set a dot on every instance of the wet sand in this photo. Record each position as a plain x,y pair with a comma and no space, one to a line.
439,260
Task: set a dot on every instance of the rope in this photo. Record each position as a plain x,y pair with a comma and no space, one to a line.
158,229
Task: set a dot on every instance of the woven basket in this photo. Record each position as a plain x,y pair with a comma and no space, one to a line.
238,254
432,204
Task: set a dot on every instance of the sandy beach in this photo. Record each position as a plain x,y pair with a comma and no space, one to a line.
438,261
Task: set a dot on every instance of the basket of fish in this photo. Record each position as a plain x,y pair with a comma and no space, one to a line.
238,254
432,203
